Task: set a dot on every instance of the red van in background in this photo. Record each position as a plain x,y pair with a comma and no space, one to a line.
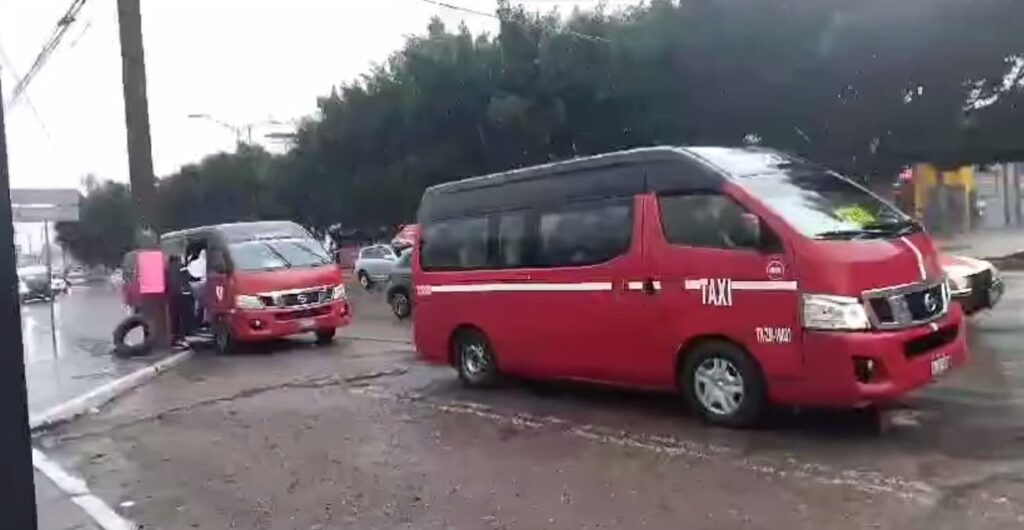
260,281
738,276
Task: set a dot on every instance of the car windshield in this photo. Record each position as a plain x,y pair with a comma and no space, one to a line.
277,254
823,205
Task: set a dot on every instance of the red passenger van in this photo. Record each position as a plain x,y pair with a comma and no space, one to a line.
737,276
260,281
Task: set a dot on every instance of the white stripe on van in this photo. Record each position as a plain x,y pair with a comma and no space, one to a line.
522,287
768,285
639,286
745,285
920,258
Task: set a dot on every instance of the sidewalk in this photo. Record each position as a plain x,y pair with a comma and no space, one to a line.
55,509
985,244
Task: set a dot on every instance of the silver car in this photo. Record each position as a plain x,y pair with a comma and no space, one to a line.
374,264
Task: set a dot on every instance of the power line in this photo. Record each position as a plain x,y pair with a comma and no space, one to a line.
47,50
453,7
35,112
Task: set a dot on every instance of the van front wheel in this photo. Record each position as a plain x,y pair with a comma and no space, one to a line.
723,384
475,359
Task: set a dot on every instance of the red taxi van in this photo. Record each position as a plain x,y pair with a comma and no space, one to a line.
260,281
737,276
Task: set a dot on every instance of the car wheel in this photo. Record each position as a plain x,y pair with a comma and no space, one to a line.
723,384
476,362
325,336
400,304
222,339
364,280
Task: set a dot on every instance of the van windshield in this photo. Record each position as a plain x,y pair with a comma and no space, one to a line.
822,205
273,254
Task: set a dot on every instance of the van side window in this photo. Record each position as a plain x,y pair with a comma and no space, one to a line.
456,244
707,220
585,233
512,240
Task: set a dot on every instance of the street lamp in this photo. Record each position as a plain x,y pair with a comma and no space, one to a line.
236,130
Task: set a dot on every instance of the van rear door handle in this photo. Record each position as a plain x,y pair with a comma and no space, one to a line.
649,288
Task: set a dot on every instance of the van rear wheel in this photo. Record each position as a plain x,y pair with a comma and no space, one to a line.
723,384
475,359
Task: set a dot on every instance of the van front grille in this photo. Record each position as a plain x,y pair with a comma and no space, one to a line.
907,306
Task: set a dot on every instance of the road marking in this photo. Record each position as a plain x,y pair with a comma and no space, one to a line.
102,514
864,481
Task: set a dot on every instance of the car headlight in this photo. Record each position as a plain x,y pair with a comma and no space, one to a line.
339,292
22,288
996,275
827,312
958,283
246,301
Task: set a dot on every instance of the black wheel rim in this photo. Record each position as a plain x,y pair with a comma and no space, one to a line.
400,304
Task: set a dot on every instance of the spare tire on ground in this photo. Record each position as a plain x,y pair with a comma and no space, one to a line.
121,349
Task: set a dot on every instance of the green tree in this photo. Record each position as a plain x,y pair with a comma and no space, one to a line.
106,226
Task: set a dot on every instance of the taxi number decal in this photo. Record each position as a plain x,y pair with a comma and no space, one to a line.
771,335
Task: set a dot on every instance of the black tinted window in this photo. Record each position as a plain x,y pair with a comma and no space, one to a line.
455,244
512,240
585,233
710,220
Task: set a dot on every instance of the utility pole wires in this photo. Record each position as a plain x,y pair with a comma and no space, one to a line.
61,29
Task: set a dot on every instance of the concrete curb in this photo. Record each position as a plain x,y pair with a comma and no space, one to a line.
101,395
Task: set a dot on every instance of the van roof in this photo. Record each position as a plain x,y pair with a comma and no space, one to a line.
729,161
665,168
235,232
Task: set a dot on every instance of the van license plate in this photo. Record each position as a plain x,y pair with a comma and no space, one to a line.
941,365
309,323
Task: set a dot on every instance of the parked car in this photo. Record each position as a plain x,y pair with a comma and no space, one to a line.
975,283
374,264
59,285
399,289
737,277
34,283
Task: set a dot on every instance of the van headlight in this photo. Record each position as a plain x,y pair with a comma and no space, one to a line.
835,313
339,292
247,301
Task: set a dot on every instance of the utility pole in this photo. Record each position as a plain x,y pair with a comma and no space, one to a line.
18,503
140,154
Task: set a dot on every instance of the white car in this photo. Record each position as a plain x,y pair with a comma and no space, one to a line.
974,283
374,264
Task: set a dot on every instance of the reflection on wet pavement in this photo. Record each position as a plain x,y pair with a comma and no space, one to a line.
85,318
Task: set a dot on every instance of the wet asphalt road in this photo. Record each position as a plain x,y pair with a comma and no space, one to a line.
85,318
362,435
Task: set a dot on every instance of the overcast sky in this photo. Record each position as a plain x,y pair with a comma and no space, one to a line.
241,61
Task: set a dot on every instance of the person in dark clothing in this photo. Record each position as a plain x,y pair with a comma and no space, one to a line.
179,300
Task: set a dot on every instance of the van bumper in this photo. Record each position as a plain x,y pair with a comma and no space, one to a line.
835,364
269,324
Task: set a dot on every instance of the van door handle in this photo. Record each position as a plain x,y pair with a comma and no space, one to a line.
649,287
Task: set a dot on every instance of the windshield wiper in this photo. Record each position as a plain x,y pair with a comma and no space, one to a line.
856,233
898,228
287,264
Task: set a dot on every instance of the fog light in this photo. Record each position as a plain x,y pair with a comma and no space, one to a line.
866,370
256,323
